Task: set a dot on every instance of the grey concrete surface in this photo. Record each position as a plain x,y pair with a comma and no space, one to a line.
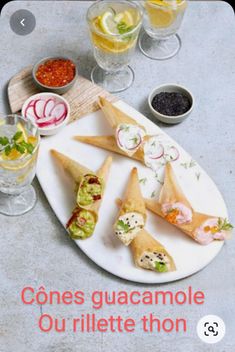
34,248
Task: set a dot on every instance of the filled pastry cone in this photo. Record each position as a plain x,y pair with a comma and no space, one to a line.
90,190
76,170
132,214
174,207
128,134
149,254
113,115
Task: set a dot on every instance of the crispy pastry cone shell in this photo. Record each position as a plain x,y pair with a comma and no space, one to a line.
109,143
114,115
103,173
75,169
171,191
145,242
133,200
197,220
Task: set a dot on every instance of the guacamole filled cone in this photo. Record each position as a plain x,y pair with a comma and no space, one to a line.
75,169
82,223
90,188
174,207
150,254
132,214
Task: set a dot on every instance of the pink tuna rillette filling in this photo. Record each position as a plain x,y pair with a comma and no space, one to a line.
185,213
206,237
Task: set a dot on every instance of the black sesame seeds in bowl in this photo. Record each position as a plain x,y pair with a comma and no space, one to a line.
171,103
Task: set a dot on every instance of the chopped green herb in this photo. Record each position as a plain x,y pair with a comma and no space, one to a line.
153,194
14,144
189,164
17,136
198,175
224,225
4,140
143,180
123,28
122,226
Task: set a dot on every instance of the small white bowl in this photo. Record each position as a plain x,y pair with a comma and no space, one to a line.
47,131
170,88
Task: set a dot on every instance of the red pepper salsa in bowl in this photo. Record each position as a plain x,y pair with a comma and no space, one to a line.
56,74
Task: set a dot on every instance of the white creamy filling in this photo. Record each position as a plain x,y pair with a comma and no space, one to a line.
128,225
129,137
148,260
158,151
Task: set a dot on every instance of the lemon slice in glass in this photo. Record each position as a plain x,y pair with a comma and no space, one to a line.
107,23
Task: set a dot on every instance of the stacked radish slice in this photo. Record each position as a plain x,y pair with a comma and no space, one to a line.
158,151
46,111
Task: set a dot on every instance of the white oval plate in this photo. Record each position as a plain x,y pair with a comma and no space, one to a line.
103,247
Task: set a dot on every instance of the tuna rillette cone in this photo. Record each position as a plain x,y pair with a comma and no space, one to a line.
114,115
145,245
174,207
133,199
75,169
132,214
171,191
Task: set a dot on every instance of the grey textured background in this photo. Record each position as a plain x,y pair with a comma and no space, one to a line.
34,248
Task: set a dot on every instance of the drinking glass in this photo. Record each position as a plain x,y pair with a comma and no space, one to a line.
114,27
162,20
17,167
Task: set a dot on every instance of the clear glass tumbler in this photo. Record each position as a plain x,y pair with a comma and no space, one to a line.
114,27
19,143
162,20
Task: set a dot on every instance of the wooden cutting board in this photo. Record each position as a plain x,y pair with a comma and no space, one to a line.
82,97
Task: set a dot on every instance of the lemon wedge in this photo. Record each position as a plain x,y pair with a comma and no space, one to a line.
21,128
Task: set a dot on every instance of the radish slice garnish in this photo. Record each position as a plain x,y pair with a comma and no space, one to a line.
29,112
158,152
129,137
39,108
171,153
49,105
58,111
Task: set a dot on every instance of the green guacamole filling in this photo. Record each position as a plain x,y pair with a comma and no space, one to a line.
82,225
160,267
90,190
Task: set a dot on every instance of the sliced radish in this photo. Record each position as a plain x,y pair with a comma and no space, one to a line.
49,105
58,111
45,120
158,152
61,119
171,153
39,108
29,112
118,137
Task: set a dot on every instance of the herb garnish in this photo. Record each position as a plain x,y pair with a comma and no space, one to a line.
224,225
122,226
15,143
189,164
124,28
198,175
153,194
143,180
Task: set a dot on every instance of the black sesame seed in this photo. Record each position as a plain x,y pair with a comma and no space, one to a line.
141,260
147,256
